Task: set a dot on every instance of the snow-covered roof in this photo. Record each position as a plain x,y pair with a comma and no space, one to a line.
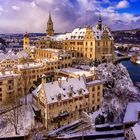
23,54
7,74
79,33
45,60
30,65
76,72
12,56
83,67
131,114
136,130
8,56
99,33
95,82
52,50
63,88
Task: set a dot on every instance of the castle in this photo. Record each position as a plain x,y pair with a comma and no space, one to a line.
60,91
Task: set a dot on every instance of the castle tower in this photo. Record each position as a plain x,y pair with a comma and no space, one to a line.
26,42
100,22
50,30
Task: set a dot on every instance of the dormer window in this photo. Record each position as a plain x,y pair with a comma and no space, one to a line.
80,91
59,96
70,94
64,89
52,98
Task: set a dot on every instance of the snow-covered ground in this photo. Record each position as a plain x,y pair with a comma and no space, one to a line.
118,90
25,119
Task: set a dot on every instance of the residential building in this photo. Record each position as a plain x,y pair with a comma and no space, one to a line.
63,101
133,133
11,86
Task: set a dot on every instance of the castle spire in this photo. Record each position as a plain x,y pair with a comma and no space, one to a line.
100,22
50,19
50,30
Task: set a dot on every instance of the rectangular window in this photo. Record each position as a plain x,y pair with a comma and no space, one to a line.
98,94
86,96
90,55
93,88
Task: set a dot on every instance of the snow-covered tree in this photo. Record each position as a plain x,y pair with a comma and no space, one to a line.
118,89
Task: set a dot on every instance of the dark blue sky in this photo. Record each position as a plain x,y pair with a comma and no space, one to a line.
31,15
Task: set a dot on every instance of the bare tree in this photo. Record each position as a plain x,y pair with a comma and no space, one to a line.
11,115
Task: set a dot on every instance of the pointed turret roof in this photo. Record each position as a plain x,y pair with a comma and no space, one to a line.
50,19
100,19
26,35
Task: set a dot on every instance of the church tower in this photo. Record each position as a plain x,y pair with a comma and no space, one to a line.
50,30
26,42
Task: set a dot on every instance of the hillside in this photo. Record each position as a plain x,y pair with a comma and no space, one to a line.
127,36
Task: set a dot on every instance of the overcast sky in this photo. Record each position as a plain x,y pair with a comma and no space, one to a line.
31,15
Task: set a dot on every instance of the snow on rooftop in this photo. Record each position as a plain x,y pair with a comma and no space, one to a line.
7,74
75,71
99,33
95,82
79,33
62,88
30,65
131,114
12,56
83,67
52,50
45,60
136,130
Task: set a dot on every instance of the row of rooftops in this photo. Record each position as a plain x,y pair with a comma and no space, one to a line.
80,72
12,56
79,34
7,74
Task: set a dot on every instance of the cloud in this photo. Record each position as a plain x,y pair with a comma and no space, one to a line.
1,9
32,15
16,8
122,4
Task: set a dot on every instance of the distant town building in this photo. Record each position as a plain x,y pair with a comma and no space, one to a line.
26,42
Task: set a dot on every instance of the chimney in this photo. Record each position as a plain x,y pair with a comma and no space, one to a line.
79,77
59,82
43,79
67,79
3,71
